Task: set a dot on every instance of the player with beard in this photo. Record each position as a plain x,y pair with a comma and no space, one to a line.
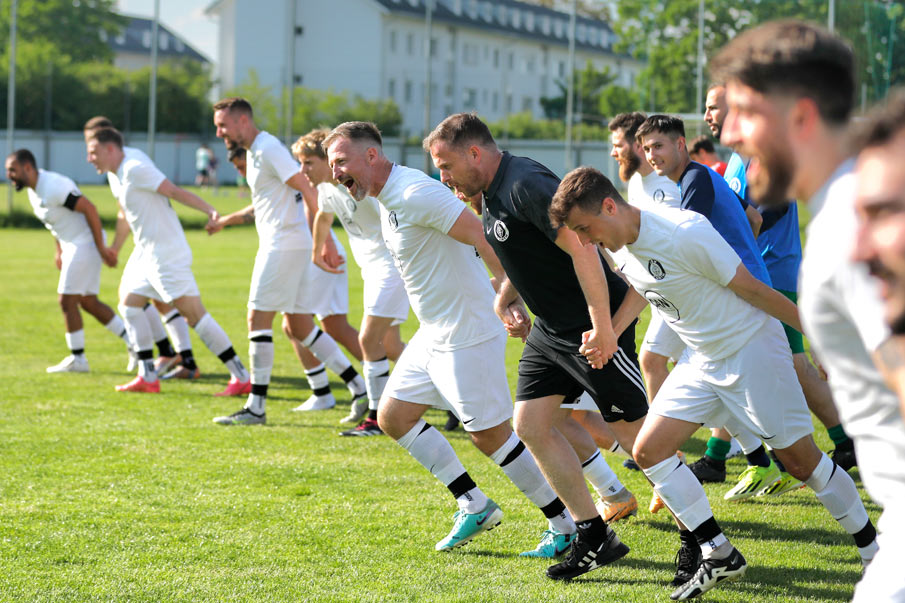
790,90
80,249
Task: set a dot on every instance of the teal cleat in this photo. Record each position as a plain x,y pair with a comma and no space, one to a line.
551,545
469,525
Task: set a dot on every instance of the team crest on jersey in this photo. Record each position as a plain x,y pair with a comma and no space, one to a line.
736,185
663,306
298,197
659,195
351,205
656,269
500,231
393,220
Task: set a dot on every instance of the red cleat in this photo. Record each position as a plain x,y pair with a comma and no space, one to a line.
236,388
139,385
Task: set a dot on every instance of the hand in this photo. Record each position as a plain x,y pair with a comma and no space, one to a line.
519,323
214,223
319,261
598,347
109,256
476,201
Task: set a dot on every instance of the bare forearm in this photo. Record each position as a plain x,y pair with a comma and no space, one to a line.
593,284
122,232
628,311
94,223
321,229
246,215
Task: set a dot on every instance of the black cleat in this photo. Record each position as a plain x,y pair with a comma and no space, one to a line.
452,421
631,464
709,574
584,557
844,455
688,560
708,470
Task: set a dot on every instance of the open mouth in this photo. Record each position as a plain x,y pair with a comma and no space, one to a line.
348,182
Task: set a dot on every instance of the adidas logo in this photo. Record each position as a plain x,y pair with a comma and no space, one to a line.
616,410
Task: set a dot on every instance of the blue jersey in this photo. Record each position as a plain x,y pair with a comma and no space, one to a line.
705,192
779,240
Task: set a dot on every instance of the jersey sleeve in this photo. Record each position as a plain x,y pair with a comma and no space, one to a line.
278,158
327,197
706,252
145,176
533,197
698,193
862,292
432,205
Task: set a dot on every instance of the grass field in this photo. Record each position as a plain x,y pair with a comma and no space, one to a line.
118,497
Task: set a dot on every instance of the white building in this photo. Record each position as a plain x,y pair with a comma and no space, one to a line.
132,46
492,56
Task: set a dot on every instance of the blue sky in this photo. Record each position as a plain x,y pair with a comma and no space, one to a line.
185,17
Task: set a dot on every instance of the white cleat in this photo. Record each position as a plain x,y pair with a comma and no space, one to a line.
357,411
70,364
317,403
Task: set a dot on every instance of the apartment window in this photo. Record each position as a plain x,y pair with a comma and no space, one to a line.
496,58
408,91
410,44
470,98
527,103
433,47
448,91
393,41
511,61
561,68
469,54
496,102
508,103
391,89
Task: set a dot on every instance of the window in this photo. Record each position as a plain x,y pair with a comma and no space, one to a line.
529,21
508,103
527,103
516,18
558,28
163,40
501,14
433,47
496,58
393,41
146,39
580,33
496,101
545,25
470,98
391,89
511,61
408,91
469,54
448,90
410,44
561,68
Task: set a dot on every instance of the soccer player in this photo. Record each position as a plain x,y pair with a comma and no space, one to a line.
678,262
456,359
779,243
701,150
144,194
80,249
790,89
280,280
171,363
385,302
569,288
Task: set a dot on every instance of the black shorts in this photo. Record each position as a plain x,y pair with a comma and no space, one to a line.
547,369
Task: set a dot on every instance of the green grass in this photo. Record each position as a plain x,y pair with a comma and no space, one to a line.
114,497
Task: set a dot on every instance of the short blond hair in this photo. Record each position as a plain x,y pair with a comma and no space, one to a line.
311,144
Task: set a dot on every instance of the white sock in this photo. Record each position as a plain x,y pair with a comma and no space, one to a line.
836,491
473,501
376,375
217,341
118,328
138,328
178,328
521,469
154,322
325,349
75,341
605,482
318,380
255,404
260,355
681,491
617,449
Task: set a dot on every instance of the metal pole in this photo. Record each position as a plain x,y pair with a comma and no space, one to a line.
428,31
570,89
11,99
290,76
831,16
152,101
700,58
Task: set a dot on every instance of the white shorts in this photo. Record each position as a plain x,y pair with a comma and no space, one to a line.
662,340
326,292
469,381
384,293
884,580
164,283
80,273
278,281
757,386
584,402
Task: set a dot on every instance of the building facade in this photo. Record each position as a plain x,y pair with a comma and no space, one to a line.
495,57
132,47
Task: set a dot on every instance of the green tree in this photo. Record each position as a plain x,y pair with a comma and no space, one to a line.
596,97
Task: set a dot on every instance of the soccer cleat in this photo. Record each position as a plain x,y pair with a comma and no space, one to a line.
165,363
357,410
243,417
139,385
844,455
785,483
236,388
586,556
631,465
656,503
452,421
70,364
614,511
316,403
552,544
753,480
180,372
468,525
688,560
709,574
707,470
368,427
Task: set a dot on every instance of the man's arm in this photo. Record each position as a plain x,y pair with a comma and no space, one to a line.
323,221
171,191
121,232
57,254
632,305
87,208
246,215
600,343
300,182
890,361
755,220
766,298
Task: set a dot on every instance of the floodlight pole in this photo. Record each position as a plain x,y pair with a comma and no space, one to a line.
11,99
831,16
570,89
152,101
428,32
700,59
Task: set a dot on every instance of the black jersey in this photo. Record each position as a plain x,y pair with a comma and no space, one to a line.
517,226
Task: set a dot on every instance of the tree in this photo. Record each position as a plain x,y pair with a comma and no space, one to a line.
596,97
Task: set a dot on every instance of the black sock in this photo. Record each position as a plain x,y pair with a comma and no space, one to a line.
759,457
165,348
372,414
778,462
188,360
594,529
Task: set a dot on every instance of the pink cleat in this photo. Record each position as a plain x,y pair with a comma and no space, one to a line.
140,386
236,388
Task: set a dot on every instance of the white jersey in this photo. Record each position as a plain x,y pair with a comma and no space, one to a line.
279,208
53,201
653,188
682,265
842,313
130,153
155,226
361,219
446,281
